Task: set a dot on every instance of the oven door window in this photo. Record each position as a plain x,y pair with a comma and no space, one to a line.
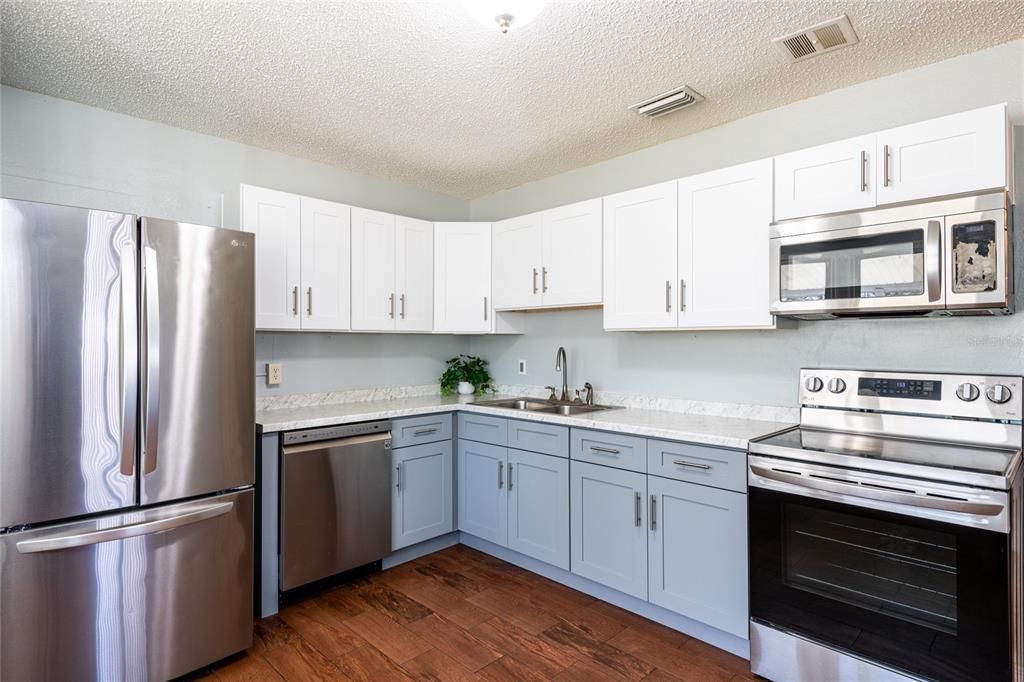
886,265
929,598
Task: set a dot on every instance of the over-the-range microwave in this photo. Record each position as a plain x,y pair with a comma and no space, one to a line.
948,257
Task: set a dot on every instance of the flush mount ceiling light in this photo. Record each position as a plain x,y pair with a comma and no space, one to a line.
504,13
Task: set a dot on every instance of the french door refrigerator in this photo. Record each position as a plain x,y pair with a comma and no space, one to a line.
126,444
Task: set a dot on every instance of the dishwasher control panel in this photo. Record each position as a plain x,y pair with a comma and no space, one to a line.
336,432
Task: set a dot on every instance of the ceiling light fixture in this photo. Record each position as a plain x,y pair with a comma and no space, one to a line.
504,13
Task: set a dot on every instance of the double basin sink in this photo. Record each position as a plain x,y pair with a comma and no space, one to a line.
543,406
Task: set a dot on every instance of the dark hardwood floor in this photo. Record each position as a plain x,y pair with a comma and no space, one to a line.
460,614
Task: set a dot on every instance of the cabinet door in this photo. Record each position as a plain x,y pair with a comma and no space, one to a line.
274,218
571,245
640,258
965,152
483,503
421,505
326,240
826,179
374,301
414,274
462,277
698,553
516,268
723,247
609,527
538,506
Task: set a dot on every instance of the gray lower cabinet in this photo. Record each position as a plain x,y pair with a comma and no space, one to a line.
697,552
538,506
609,526
421,493
483,504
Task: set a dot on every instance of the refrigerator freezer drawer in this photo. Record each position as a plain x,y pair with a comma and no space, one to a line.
145,595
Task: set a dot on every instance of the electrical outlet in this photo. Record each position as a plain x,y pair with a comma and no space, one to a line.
522,366
273,373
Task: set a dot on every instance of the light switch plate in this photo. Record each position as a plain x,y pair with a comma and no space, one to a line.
522,366
273,373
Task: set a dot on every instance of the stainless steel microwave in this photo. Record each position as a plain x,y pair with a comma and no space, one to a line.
949,257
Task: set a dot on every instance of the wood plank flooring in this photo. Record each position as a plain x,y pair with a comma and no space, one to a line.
460,614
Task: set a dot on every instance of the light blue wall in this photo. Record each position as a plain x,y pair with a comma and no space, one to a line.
761,367
61,152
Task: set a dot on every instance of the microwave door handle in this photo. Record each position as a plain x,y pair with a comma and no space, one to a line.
933,260
129,357
853,489
151,317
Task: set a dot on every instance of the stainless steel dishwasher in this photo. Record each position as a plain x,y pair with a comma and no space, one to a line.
335,500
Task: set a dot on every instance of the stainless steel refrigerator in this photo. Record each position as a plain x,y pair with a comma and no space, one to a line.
126,444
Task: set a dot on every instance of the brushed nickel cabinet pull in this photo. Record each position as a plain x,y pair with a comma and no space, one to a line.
295,301
535,280
391,306
692,465
402,301
639,520
501,475
668,296
544,280
682,295
398,477
863,171
424,432
510,475
485,308
609,451
654,512
309,301
885,166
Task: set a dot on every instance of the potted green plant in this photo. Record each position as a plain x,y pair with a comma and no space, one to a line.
466,374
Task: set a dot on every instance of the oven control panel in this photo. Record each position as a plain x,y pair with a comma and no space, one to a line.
949,395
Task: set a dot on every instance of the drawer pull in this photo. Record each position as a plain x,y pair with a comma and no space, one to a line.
610,451
692,465
424,432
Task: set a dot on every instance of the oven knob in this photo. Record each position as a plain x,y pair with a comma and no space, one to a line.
967,392
813,384
998,393
836,385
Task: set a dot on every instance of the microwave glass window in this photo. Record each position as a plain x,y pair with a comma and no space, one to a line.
974,257
898,570
879,266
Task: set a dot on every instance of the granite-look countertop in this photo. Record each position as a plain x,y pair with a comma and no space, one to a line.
728,432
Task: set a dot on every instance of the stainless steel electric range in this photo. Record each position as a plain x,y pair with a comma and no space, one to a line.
885,530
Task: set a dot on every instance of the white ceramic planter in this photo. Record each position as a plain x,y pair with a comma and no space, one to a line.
466,388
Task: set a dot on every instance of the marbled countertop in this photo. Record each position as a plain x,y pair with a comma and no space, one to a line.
726,432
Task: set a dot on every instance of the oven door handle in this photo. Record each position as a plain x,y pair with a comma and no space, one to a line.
855,489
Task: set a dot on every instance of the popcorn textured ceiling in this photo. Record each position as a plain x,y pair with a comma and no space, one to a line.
418,92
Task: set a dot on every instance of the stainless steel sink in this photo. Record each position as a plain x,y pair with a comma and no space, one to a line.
544,406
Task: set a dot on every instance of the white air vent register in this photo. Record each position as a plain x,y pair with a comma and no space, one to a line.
827,36
667,102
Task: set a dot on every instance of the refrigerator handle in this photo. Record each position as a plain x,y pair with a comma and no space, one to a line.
129,357
94,537
151,317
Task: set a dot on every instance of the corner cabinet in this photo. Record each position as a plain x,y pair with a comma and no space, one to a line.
302,260
723,240
549,259
640,258
462,278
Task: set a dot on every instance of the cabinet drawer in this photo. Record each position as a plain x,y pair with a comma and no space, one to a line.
610,449
537,437
716,467
416,430
483,429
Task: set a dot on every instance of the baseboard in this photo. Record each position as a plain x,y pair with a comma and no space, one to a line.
670,619
419,550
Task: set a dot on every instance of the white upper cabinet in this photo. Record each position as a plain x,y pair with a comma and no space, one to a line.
549,259
414,274
517,262
274,218
325,237
723,247
374,300
965,152
462,278
640,253
826,179
571,248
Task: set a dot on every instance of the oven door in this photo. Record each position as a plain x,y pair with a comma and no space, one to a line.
895,267
927,597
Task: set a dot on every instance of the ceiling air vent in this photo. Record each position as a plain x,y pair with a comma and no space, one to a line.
824,37
667,102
